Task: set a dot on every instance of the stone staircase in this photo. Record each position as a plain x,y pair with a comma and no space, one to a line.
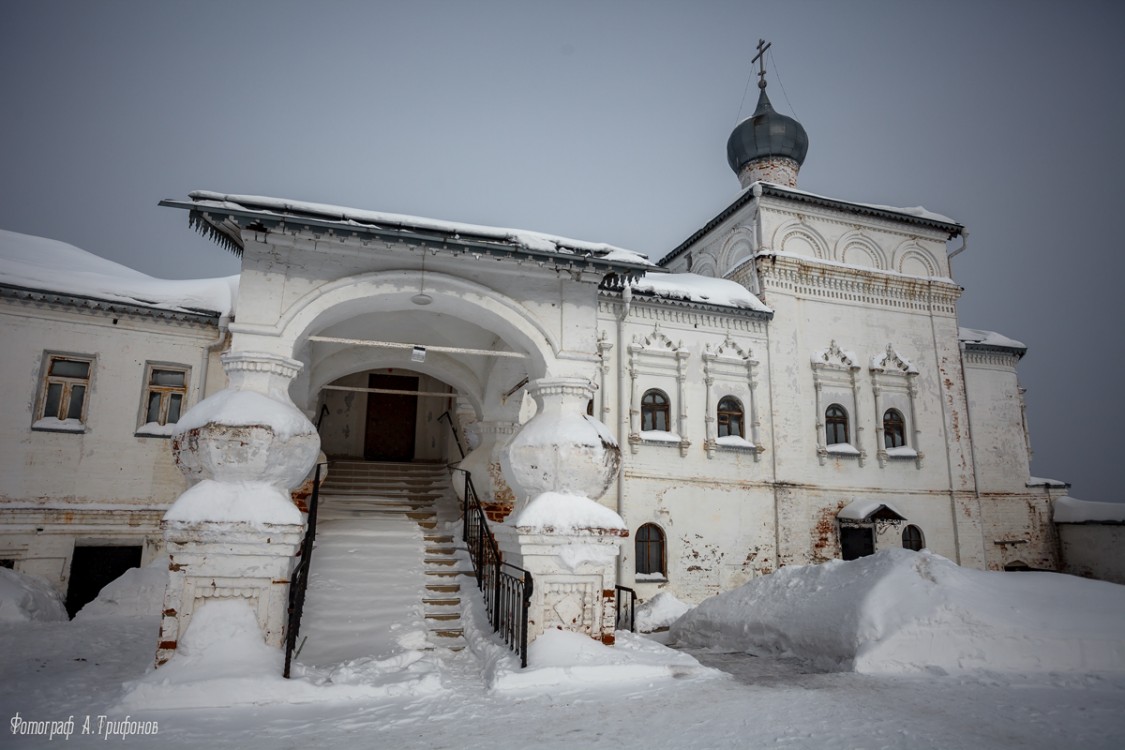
422,493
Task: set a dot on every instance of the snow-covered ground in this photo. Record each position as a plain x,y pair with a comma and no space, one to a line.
570,698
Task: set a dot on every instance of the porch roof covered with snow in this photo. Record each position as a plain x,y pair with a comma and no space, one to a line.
223,217
868,511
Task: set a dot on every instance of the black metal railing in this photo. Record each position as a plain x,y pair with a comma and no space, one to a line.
449,418
299,581
626,606
506,588
324,412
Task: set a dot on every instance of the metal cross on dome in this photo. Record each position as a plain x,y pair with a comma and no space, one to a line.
760,58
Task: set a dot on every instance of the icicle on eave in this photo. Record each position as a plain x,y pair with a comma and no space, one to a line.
200,224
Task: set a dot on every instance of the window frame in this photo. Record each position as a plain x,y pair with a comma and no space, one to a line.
148,388
657,544
723,418
649,411
921,538
832,423
898,429
67,384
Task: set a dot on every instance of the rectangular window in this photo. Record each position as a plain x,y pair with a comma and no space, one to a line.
163,400
62,398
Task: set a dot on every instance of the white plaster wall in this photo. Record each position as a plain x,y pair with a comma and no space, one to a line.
106,485
1093,550
996,420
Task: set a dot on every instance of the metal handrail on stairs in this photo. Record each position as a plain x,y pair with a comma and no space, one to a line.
449,418
299,581
506,588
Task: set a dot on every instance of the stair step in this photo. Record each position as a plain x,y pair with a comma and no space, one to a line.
450,573
439,538
431,601
447,632
443,588
443,616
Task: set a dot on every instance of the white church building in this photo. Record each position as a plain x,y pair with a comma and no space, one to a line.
788,385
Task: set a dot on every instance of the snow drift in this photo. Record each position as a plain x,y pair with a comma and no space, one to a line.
138,592
903,611
24,598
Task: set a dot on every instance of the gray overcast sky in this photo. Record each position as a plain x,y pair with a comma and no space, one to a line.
603,121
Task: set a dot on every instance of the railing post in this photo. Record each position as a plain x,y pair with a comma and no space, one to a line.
496,596
527,587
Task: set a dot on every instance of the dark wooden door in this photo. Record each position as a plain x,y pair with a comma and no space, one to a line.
856,542
389,433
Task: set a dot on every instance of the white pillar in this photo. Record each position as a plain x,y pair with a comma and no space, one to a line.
235,531
558,464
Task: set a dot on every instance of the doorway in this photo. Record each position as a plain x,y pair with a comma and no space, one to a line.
91,568
391,418
856,542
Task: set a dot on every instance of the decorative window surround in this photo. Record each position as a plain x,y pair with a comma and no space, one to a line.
835,370
733,367
893,383
656,356
601,396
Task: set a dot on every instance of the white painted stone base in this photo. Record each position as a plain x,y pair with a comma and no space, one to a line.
574,578
227,561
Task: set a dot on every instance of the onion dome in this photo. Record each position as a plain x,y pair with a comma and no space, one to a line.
767,146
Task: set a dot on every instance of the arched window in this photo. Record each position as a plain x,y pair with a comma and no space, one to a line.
650,550
894,429
912,538
654,411
730,417
835,425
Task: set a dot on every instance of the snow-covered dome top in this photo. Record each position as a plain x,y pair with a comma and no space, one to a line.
767,145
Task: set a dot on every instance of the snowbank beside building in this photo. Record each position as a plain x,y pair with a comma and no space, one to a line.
660,612
900,611
24,598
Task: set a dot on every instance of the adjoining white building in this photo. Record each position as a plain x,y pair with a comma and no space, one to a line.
789,385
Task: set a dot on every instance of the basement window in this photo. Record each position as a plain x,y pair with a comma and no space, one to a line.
163,400
62,402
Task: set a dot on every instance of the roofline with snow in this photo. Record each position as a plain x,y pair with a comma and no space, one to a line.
614,293
776,191
30,294
223,224
974,346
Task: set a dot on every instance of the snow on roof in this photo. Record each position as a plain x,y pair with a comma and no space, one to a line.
914,215
1072,510
360,217
704,289
917,212
49,265
862,510
989,338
